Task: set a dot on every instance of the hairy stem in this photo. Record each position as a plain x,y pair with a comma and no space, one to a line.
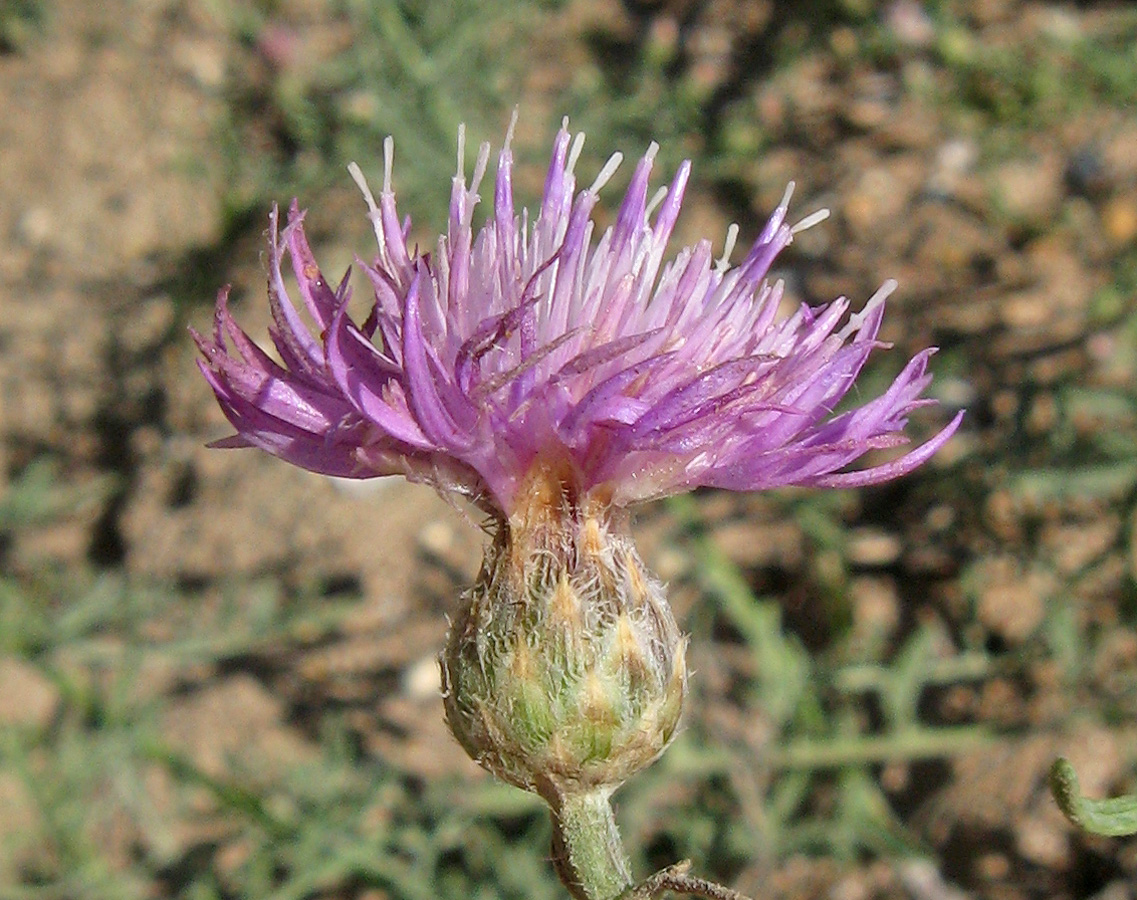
1116,817
677,880
587,850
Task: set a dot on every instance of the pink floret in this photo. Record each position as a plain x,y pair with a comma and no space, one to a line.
526,343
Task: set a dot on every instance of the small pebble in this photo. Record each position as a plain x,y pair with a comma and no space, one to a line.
35,226
910,23
421,679
1119,221
873,548
1029,191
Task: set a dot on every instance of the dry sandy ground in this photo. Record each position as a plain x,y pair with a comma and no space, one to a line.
113,181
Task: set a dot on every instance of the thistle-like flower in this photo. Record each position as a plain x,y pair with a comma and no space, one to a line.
556,378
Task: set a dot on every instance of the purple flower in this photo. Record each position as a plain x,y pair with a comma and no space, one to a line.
534,344
556,378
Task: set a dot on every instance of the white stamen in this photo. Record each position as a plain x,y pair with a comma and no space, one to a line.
480,167
388,162
657,198
372,208
809,221
652,150
857,319
509,131
607,172
785,204
461,150
574,151
731,238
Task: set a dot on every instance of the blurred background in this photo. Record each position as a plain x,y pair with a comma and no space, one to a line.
217,674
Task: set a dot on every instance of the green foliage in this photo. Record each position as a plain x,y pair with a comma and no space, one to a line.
38,496
1116,817
813,710
1021,85
412,69
20,22
346,821
101,774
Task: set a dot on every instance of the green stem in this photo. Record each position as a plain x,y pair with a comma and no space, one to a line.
903,744
587,850
1116,817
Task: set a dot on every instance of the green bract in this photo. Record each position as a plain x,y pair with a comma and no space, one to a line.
564,671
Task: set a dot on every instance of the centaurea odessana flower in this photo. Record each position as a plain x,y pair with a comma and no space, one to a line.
555,379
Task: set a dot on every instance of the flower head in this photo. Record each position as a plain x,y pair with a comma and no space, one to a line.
555,378
534,343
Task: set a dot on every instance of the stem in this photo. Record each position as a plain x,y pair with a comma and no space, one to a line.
587,850
1116,817
677,880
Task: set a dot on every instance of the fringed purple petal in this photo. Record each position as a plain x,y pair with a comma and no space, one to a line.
299,350
318,296
895,469
369,381
424,384
261,382
281,438
538,342
612,390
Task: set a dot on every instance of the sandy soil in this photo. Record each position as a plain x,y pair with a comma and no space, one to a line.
112,192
